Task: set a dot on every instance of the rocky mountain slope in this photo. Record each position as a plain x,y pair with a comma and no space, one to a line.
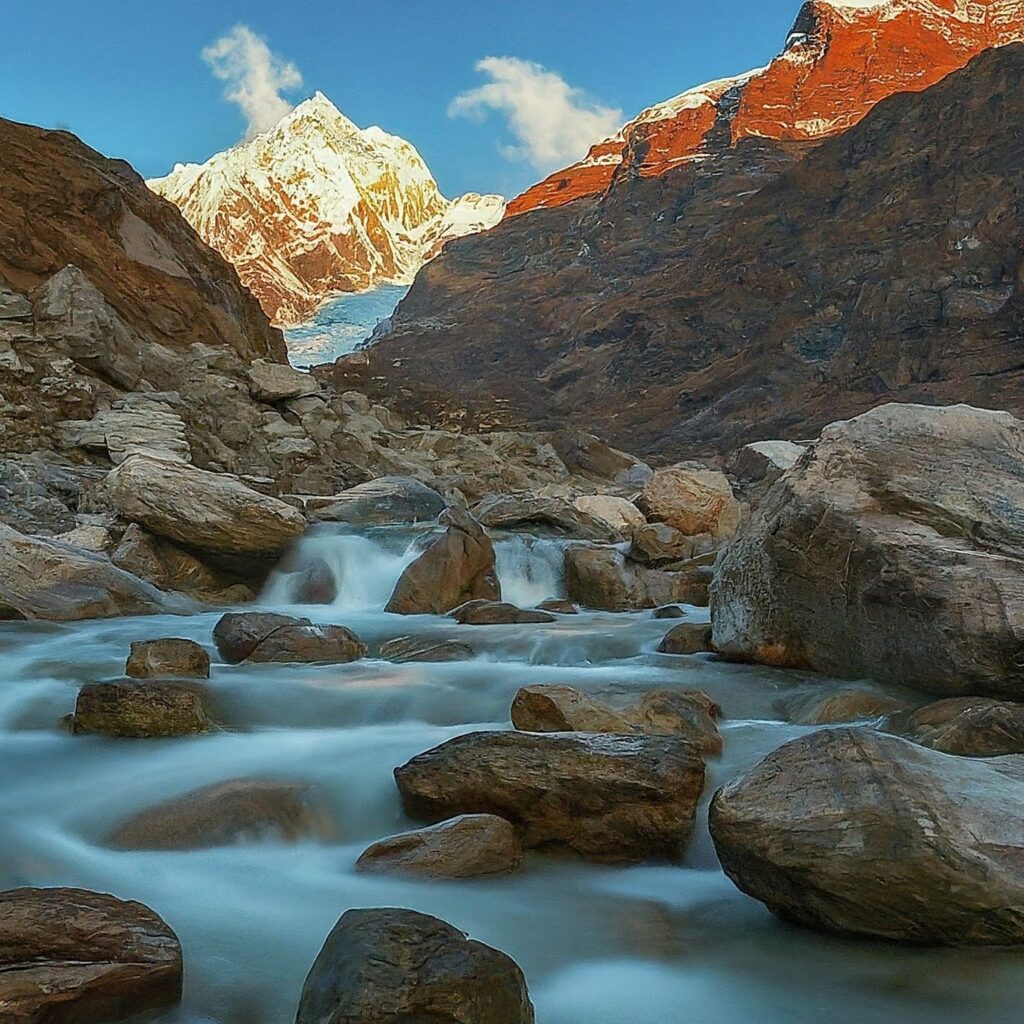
317,205
839,60
764,292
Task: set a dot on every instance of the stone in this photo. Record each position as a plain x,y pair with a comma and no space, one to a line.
44,579
602,578
89,538
610,798
966,726
870,559
140,710
755,467
658,544
687,638
620,514
456,568
278,382
493,613
864,834
269,637
315,584
692,500
386,500
78,957
203,510
137,424
171,656
668,611
225,813
386,966
558,605
420,648
464,847
844,706
533,514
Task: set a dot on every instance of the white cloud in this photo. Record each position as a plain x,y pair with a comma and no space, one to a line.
255,77
553,122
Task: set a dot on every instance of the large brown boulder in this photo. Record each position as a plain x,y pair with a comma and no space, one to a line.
44,579
70,956
968,726
857,832
207,511
610,798
170,656
458,567
872,557
269,637
693,500
401,967
464,847
603,578
620,514
227,812
140,710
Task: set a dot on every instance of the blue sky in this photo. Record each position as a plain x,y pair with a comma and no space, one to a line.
130,79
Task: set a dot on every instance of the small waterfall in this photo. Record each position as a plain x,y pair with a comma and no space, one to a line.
530,569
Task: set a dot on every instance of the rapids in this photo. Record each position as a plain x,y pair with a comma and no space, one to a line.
657,944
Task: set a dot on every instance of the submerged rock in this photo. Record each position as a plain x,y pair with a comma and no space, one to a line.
141,710
493,613
835,708
421,648
228,812
692,500
388,499
968,726
269,637
78,957
463,847
402,967
607,797
171,656
458,567
865,834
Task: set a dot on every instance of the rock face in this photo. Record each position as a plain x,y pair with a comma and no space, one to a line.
316,206
402,967
268,637
228,812
172,656
208,511
609,798
464,847
458,567
968,726
140,710
42,579
79,957
906,292
870,558
865,834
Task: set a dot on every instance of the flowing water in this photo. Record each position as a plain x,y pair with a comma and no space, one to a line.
653,944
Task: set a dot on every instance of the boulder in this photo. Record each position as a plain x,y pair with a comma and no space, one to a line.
269,637
658,544
610,798
464,847
755,467
619,514
171,656
207,511
402,967
554,516
555,708
278,382
870,558
140,710
668,611
225,813
389,499
494,613
835,708
865,834
458,567
421,648
558,605
687,638
70,956
693,500
315,584
44,579
968,726
602,578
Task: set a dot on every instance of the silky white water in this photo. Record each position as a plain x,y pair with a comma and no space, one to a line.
654,944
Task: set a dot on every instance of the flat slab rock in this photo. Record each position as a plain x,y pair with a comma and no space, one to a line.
422,648
70,956
610,798
497,613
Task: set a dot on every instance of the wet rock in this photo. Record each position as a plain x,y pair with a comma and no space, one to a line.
658,544
43,579
533,514
687,638
602,578
402,967
458,567
464,847
619,514
558,605
278,382
315,584
70,956
668,611
494,613
419,648
865,834
389,499
870,558
610,798
692,500
140,710
171,656
269,637
207,511
835,708
225,813
968,726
